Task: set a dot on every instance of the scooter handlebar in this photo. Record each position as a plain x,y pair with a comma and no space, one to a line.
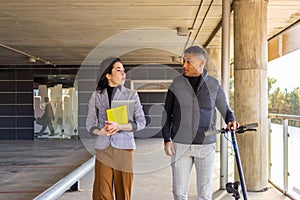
213,132
241,129
247,127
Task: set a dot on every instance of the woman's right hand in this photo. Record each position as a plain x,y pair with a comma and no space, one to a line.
103,131
107,131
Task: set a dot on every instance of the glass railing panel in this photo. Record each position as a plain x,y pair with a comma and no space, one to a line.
277,154
294,161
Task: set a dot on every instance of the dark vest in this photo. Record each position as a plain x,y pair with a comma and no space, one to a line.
194,113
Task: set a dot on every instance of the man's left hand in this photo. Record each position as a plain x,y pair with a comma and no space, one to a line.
233,126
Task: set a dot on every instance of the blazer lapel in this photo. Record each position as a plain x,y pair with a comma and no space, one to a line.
103,99
120,93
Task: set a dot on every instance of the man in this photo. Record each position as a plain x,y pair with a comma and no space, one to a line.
189,112
47,118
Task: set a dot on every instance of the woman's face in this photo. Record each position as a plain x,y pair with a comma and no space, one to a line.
117,76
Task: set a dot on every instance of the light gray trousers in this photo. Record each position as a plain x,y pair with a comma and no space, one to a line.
202,156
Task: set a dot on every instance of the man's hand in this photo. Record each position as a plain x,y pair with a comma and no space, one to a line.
233,126
169,149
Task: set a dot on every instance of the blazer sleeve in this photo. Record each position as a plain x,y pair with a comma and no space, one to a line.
92,119
139,116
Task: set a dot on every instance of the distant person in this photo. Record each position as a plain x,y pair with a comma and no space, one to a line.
47,118
189,112
115,142
58,116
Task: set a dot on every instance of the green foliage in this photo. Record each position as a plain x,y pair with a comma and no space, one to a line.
271,81
284,102
280,102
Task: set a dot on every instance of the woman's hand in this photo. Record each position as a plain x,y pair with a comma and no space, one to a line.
108,130
111,128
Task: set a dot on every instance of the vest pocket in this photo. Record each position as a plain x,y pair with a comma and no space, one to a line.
205,117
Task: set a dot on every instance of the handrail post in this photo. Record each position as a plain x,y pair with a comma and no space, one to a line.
269,150
285,154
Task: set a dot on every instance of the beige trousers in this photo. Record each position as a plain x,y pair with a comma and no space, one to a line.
113,174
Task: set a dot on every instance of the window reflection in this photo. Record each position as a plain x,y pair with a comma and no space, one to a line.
55,107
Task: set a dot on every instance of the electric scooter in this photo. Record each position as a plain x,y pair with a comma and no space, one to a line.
235,187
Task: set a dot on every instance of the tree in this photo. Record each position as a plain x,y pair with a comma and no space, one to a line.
271,82
276,101
283,102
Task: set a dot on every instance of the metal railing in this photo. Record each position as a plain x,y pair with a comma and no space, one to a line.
65,183
285,145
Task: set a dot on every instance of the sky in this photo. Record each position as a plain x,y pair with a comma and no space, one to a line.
286,70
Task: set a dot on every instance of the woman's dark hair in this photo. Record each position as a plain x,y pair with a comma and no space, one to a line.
108,65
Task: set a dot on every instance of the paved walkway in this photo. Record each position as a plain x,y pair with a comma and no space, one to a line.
27,168
30,167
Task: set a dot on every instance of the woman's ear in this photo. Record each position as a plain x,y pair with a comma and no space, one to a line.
108,76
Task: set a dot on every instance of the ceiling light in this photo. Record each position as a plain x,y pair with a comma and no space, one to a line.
177,59
182,31
31,59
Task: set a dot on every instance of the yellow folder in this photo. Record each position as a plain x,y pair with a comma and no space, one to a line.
118,114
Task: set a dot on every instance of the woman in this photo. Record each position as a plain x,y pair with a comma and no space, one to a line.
114,142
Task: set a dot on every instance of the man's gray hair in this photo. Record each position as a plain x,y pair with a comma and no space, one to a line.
196,50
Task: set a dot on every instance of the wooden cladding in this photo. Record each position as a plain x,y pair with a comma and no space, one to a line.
284,43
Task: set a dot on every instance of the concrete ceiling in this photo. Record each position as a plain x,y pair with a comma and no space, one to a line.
72,32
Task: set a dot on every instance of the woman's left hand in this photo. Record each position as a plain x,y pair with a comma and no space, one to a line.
112,128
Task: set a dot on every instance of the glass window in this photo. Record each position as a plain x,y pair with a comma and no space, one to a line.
55,107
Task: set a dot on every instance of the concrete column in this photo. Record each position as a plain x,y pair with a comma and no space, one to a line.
213,66
250,82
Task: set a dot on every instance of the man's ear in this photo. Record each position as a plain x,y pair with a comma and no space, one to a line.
203,61
108,76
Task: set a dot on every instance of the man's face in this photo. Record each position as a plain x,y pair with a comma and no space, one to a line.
192,65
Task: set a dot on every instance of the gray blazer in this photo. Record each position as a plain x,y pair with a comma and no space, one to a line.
96,117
